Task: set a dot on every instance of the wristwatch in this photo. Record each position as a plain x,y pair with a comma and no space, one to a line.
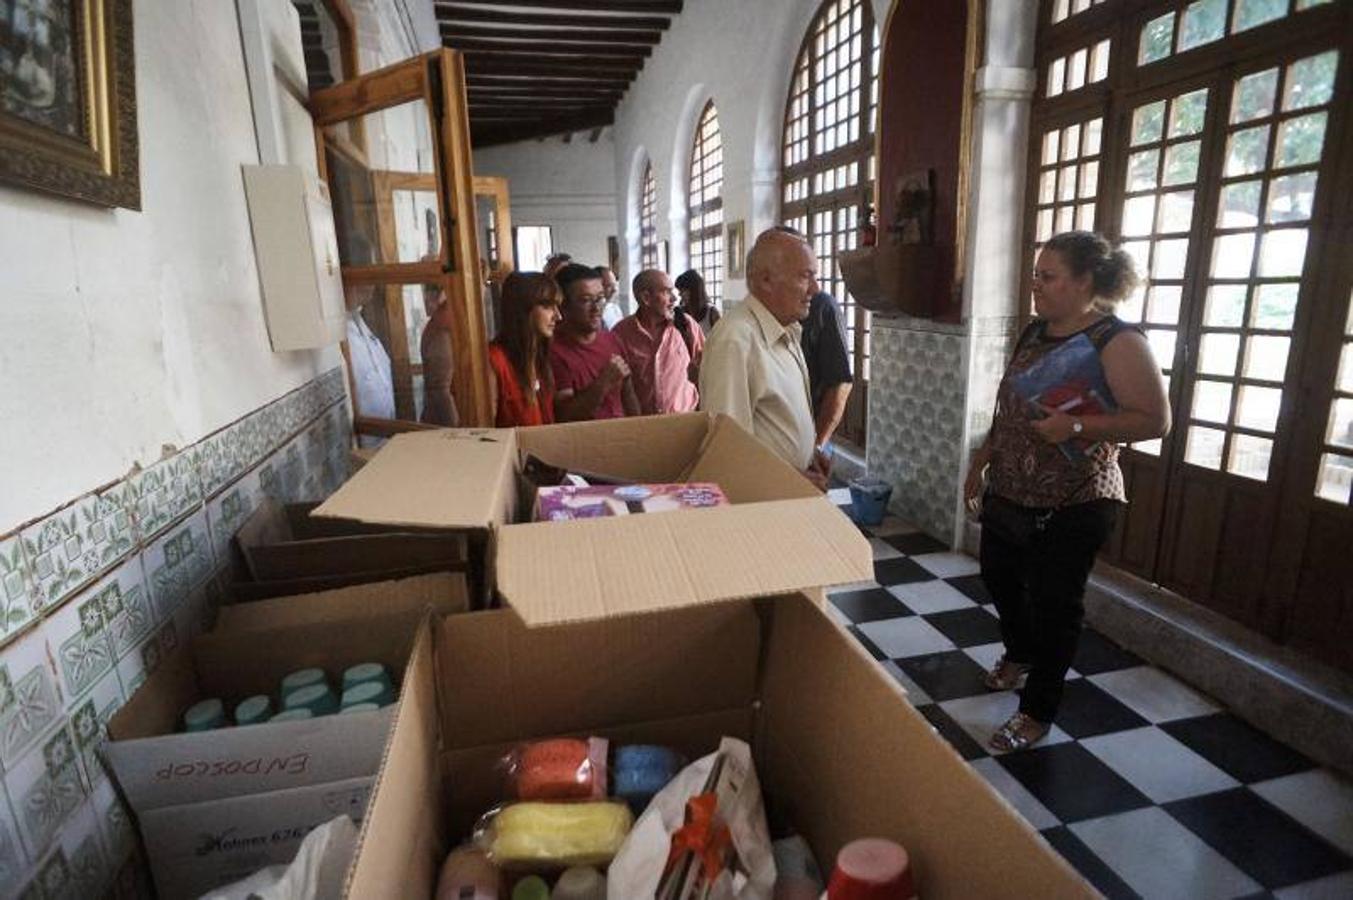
1077,426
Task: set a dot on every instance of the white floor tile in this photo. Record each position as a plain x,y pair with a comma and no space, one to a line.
1158,765
1015,794
915,693
1154,695
884,550
1159,858
1335,887
1318,799
837,616
926,597
981,716
909,636
948,565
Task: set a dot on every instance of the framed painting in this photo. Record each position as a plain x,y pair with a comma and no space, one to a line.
737,249
68,99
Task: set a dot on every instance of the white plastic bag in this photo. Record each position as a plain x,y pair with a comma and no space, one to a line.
316,873
637,869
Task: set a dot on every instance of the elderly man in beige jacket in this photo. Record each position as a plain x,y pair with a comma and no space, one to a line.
753,369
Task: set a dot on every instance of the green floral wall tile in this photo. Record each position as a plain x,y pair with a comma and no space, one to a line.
16,588
178,562
166,492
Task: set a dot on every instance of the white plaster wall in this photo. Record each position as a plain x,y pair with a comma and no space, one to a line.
568,186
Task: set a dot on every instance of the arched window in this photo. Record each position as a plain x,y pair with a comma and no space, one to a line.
648,220
828,173
706,203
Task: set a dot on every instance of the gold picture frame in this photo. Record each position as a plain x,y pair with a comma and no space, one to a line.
68,99
736,242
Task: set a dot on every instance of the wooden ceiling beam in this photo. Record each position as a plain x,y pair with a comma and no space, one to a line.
447,12
591,36
557,80
508,92
492,64
601,52
638,6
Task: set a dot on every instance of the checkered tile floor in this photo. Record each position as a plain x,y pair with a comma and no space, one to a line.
1147,787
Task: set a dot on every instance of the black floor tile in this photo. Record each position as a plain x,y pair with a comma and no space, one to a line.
1237,748
869,605
945,676
1097,654
1088,863
869,645
973,586
1088,710
916,543
952,732
899,570
1071,782
1262,841
967,627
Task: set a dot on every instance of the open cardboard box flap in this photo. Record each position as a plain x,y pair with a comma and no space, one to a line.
779,536
444,479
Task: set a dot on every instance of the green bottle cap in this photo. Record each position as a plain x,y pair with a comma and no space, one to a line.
292,715
301,678
253,710
205,715
367,692
363,672
532,887
318,698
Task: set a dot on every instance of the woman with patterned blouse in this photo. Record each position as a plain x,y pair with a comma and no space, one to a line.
1047,481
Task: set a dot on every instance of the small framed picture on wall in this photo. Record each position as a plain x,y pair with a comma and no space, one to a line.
736,242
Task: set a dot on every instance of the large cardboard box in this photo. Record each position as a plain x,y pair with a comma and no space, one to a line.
778,535
840,752
215,806
674,628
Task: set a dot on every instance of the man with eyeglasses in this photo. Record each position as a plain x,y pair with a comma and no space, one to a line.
591,378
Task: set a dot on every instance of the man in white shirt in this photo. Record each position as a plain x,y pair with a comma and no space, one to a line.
370,364
754,370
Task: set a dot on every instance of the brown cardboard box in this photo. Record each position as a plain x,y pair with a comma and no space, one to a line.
283,551
673,628
233,782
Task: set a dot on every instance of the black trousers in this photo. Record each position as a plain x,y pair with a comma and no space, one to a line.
1038,589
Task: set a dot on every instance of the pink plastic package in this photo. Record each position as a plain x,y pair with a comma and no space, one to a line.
565,502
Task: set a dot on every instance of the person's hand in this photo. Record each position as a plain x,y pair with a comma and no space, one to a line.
1055,426
819,479
616,371
975,483
822,462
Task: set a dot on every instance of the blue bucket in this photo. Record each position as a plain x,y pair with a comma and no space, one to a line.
869,500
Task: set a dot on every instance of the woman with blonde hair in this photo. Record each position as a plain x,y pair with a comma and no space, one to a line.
1046,480
519,356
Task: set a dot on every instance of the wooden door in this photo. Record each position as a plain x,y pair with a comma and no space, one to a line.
409,121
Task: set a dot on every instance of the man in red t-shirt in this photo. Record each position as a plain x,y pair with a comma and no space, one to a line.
591,379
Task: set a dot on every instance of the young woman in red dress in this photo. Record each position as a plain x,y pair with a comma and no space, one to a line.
520,356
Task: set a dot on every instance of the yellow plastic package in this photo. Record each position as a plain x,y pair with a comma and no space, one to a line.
554,835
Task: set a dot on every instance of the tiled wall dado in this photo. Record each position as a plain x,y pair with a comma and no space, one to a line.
94,595
918,381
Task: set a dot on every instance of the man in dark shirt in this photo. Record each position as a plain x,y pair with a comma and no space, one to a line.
829,376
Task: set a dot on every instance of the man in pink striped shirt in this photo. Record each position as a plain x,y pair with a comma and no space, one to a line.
663,358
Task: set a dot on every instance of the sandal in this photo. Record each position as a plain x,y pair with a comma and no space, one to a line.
1018,732
1005,675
